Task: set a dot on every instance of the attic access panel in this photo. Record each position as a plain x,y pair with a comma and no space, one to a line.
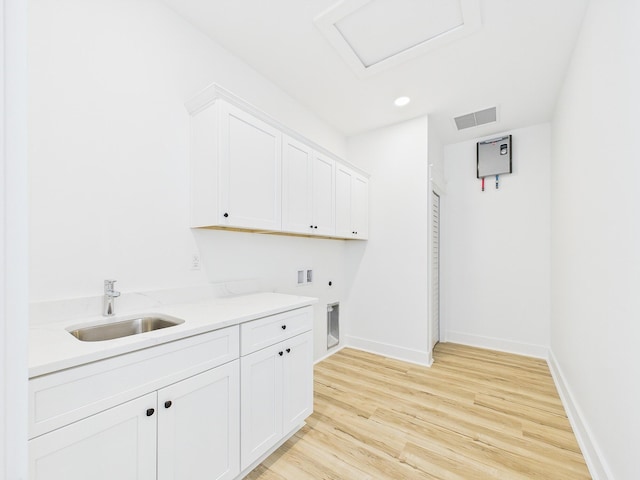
373,35
493,157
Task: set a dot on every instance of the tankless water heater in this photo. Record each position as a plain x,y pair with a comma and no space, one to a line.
494,157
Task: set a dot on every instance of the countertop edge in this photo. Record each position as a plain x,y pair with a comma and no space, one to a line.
152,339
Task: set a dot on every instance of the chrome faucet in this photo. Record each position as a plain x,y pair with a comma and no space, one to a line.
109,298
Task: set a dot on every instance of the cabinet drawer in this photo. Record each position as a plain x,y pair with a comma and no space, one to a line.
63,397
266,331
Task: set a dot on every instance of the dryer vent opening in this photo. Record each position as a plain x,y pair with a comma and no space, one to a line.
333,324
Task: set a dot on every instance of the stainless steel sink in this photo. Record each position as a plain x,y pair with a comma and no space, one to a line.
124,328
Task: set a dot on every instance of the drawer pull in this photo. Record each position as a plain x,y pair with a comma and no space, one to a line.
150,411
167,404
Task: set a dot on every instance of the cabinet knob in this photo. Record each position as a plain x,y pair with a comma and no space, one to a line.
225,215
150,411
316,226
284,327
280,353
310,226
167,404
288,350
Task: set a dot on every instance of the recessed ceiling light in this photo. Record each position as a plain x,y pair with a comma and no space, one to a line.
402,101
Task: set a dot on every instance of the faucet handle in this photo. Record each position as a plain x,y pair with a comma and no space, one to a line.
108,288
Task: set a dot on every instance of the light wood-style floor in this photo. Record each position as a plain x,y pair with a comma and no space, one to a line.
475,414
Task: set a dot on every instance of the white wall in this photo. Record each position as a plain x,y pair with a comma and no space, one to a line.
495,253
387,307
13,240
273,261
595,327
108,146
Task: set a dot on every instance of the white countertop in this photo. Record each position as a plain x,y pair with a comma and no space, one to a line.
52,347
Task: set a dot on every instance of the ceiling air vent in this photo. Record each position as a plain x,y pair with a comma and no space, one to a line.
475,119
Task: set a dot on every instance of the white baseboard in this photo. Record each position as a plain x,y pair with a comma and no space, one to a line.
392,351
264,456
330,352
591,452
502,345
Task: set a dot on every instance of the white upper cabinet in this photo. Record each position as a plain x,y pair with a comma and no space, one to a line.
296,186
249,172
307,190
236,162
343,202
323,195
352,204
360,206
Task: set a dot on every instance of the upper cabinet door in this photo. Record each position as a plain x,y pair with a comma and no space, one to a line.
352,204
250,171
343,202
307,190
360,206
323,195
296,186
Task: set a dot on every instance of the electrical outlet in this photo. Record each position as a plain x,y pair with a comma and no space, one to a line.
310,275
195,261
301,277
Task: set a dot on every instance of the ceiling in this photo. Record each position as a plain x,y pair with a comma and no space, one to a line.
515,60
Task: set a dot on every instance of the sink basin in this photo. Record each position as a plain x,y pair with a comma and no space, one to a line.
124,328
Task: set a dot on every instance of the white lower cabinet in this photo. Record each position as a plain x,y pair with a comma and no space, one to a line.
198,426
277,394
117,443
188,409
297,381
261,417
194,424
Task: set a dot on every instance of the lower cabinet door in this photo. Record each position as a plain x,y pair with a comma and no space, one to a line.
261,408
119,443
198,426
297,400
